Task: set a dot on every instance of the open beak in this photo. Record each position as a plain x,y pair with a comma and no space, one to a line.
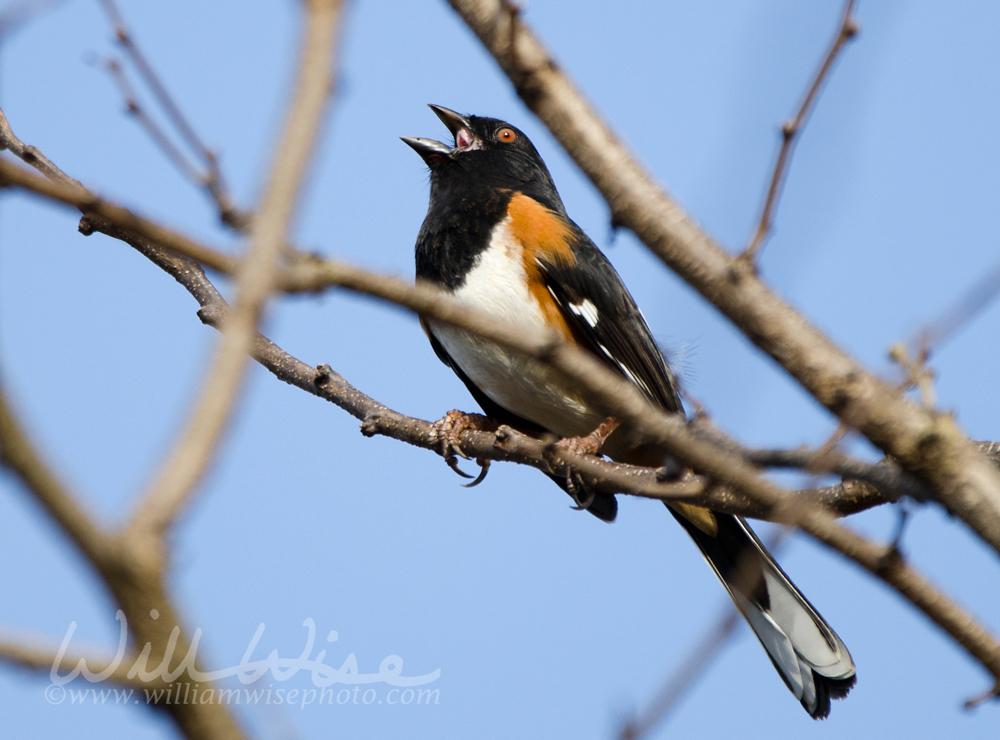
432,151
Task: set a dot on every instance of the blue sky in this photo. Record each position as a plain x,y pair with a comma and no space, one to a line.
542,621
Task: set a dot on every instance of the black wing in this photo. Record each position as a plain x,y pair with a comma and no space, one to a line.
603,316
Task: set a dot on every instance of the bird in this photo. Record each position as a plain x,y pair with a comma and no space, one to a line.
497,238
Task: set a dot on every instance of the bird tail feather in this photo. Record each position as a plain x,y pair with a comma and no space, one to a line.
811,659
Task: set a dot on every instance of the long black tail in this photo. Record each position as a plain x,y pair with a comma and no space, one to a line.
811,659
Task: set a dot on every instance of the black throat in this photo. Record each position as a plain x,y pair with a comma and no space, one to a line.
467,201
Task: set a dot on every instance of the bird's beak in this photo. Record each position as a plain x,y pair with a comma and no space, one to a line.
430,150
457,124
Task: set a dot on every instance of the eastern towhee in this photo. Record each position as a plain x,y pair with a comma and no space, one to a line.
497,238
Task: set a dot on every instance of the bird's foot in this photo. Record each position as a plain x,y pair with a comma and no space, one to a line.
445,433
592,443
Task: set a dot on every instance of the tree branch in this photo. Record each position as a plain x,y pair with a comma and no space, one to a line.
134,108
256,279
63,189
31,155
926,443
19,455
39,658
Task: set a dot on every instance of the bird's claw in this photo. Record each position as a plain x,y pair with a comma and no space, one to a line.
484,468
574,491
445,433
453,464
575,484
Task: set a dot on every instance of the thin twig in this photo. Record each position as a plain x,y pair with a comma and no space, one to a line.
32,156
916,373
992,694
184,466
132,106
885,475
212,180
913,356
847,29
958,314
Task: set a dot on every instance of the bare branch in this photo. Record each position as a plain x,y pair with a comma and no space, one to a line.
63,189
917,374
30,155
991,694
311,274
18,454
132,106
958,314
790,129
885,475
187,462
681,680
212,180
40,658
928,444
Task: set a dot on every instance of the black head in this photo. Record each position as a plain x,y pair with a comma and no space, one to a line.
487,153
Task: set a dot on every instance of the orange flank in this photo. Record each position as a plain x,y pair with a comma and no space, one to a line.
544,237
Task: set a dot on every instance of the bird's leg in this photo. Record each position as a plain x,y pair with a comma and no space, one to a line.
593,442
589,445
445,433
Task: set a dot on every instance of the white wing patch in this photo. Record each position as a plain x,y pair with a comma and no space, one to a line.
587,310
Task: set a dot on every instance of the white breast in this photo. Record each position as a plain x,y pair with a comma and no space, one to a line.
497,285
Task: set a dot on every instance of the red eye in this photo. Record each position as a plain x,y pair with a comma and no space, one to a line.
506,135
